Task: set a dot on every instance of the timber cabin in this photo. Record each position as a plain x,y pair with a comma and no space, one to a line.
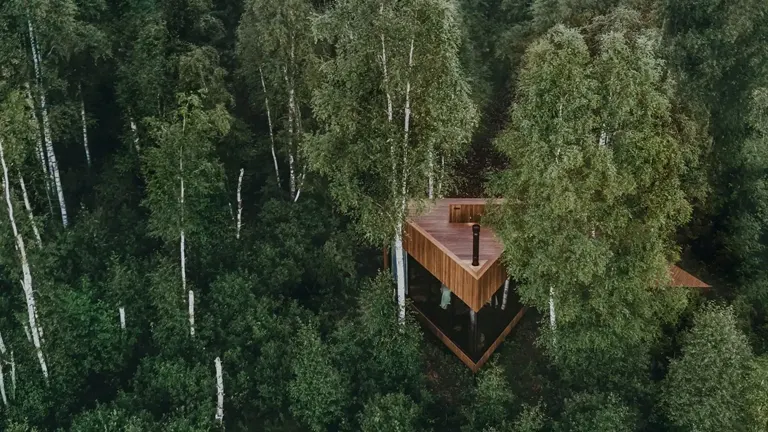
457,283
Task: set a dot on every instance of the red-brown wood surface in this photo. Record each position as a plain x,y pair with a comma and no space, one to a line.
456,238
445,250
681,278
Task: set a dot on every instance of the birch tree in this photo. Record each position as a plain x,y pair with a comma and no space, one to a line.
275,49
593,197
182,174
53,166
13,118
393,99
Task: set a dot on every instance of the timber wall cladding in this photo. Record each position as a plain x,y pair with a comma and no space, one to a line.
472,290
445,268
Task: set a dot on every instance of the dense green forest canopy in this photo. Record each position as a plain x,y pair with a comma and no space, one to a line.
195,195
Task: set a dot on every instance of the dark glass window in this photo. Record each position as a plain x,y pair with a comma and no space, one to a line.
495,316
427,295
453,317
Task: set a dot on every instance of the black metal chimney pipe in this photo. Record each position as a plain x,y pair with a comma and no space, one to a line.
476,245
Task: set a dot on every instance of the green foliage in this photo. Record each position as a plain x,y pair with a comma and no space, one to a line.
318,391
618,118
382,355
372,164
593,411
716,372
184,160
394,412
491,404
593,197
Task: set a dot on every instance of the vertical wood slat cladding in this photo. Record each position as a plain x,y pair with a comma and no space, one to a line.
500,339
465,213
471,290
490,282
442,266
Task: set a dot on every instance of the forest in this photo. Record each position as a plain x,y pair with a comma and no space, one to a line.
196,195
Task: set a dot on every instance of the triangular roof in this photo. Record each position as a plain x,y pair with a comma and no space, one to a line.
445,249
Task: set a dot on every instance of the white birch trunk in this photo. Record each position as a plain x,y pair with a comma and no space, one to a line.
399,255
135,132
3,349
13,376
38,135
291,159
440,178
389,112
269,123
239,203
85,128
301,185
2,385
430,174
53,164
29,211
38,321
121,310
219,392
400,263
603,138
34,326
182,239
291,168
191,306
552,316
506,292
39,148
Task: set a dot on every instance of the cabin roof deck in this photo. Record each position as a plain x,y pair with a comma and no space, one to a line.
455,239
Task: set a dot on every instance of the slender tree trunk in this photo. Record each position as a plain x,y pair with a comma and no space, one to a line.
54,166
2,385
301,185
219,391
389,111
506,292
239,203
191,305
121,310
13,376
440,178
400,256
552,316
3,349
271,133
34,325
39,147
29,211
291,159
39,324
39,134
430,173
135,132
85,127
400,263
